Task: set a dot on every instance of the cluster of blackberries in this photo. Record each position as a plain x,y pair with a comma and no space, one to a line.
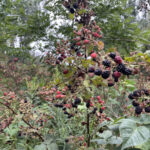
117,71
60,58
106,63
77,101
138,93
95,109
75,104
71,7
105,74
120,66
140,105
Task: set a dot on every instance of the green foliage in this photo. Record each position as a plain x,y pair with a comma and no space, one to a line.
133,132
24,20
29,117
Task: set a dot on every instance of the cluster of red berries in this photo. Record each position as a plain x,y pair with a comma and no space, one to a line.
95,106
83,38
8,97
140,100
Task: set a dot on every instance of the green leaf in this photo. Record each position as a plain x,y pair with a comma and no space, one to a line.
133,135
99,141
52,146
82,11
86,63
97,80
145,119
106,134
86,83
40,147
115,140
145,146
71,16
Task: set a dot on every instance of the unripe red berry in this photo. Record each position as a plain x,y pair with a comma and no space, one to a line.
108,119
58,96
103,108
93,55
78,43
58,92
12,96
15,59
99,101
118,59
78,33
116,74
95,34
5,93
85,144
98,97
65,71
91,104
86,41
78,54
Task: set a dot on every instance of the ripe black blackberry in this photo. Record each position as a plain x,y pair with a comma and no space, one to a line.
105,74
134,103
64,102
112,55
72,46
138,110
147,109
70,116
74,105
68,6
58,105
130,96
72,10
60,58
64,109
94,59
66,140
137,93
76,50
75,5
88,104
121,68
98,72
57,62
101,110
127,71
94,110
82,38
77,101
91,69
110,84
81,74
66,113
25,101
106,63
146,92
69,87
19,133
116,79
